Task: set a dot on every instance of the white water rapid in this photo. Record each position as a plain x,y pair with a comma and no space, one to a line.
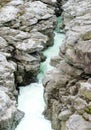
31,97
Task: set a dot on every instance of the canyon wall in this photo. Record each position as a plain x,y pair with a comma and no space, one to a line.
68,86
26,28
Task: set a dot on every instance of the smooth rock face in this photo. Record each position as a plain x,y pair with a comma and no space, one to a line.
68,87
26,27
64,115
77,122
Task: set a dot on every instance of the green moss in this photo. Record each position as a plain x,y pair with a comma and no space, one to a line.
88,110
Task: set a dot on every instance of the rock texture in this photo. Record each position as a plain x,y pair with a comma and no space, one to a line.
26,28
68,87
58,7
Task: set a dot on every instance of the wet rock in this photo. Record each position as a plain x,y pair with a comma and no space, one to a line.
18,116
28,66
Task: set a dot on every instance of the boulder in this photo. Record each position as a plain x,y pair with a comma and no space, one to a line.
64,115
8,112
77,122
85,90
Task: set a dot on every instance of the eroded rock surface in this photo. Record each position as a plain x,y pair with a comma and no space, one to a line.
68,87
26,28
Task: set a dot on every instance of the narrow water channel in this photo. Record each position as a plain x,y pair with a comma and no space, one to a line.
31,97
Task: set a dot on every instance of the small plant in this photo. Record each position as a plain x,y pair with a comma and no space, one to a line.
88,110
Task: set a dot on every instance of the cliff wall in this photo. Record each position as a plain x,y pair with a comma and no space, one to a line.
26,28
68,87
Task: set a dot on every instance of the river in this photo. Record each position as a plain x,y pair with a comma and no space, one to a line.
31,99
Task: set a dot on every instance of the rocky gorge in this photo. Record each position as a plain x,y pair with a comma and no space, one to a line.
68,87
26,29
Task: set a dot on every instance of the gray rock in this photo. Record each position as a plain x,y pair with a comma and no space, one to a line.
3,43
64,115
87,116
69,84
77,122
7,112
35,43
26,28
85,90
8,13
80,105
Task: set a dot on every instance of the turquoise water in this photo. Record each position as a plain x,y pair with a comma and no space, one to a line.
31,97
49,53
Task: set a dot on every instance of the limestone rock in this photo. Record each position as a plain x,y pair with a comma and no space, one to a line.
87,116
35,43
28,66
64,115
8,112
26,27
80,105
77,122
3,43
7,73
69,82
8,14
85,90
20,33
